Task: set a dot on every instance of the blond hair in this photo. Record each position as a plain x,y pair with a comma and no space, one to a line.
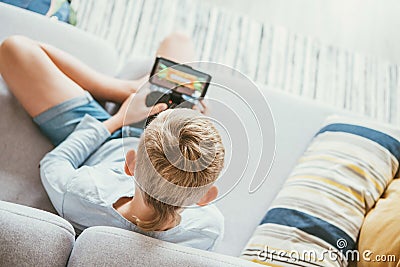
179,157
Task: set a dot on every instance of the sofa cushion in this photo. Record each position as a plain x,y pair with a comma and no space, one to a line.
22,146
379,241
125,248
322,205
31,237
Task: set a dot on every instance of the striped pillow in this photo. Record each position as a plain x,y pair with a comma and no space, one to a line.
316,218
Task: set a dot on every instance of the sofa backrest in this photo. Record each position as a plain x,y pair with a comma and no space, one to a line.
32,237
125,248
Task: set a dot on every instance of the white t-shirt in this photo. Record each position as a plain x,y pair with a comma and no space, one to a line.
84,177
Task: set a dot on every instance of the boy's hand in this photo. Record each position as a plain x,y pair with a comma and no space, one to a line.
202,107
133,110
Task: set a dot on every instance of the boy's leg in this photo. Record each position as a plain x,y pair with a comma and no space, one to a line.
177,47
101,86
33,78
41,76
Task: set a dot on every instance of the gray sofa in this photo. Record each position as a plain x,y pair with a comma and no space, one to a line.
32,237
31,234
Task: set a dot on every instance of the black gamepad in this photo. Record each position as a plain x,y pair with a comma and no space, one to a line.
172,99
155,97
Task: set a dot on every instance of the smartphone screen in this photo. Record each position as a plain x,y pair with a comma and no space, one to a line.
180,78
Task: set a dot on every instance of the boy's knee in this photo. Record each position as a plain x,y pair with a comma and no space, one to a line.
13,45
177,39
13,42
178,47
178,36
13,50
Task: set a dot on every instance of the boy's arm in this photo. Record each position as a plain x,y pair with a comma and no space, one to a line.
80,144
90,134
63,163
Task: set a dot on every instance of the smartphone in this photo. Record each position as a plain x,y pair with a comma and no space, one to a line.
180,78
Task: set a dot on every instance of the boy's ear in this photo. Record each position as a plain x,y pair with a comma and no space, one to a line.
211,194
130,162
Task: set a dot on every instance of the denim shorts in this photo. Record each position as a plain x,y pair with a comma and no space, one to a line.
60,121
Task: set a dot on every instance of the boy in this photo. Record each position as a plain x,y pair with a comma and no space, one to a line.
87,177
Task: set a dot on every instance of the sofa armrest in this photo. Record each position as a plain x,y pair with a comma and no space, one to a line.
32,237
108,246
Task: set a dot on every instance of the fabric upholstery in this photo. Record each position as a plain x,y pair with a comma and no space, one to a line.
125,248
379,238
322,205
31,237
22,146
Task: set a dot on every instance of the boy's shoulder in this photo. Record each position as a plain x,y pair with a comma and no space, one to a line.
200,227
205,221
205,216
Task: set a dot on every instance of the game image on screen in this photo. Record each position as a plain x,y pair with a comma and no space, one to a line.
180,78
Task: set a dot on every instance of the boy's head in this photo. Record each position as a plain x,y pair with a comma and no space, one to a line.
180,155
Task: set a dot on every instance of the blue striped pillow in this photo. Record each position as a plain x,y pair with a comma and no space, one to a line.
316,218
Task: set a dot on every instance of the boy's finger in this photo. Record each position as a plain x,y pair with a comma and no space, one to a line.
203,104
158,108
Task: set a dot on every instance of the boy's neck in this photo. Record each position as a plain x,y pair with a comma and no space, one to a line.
132,208
136,208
